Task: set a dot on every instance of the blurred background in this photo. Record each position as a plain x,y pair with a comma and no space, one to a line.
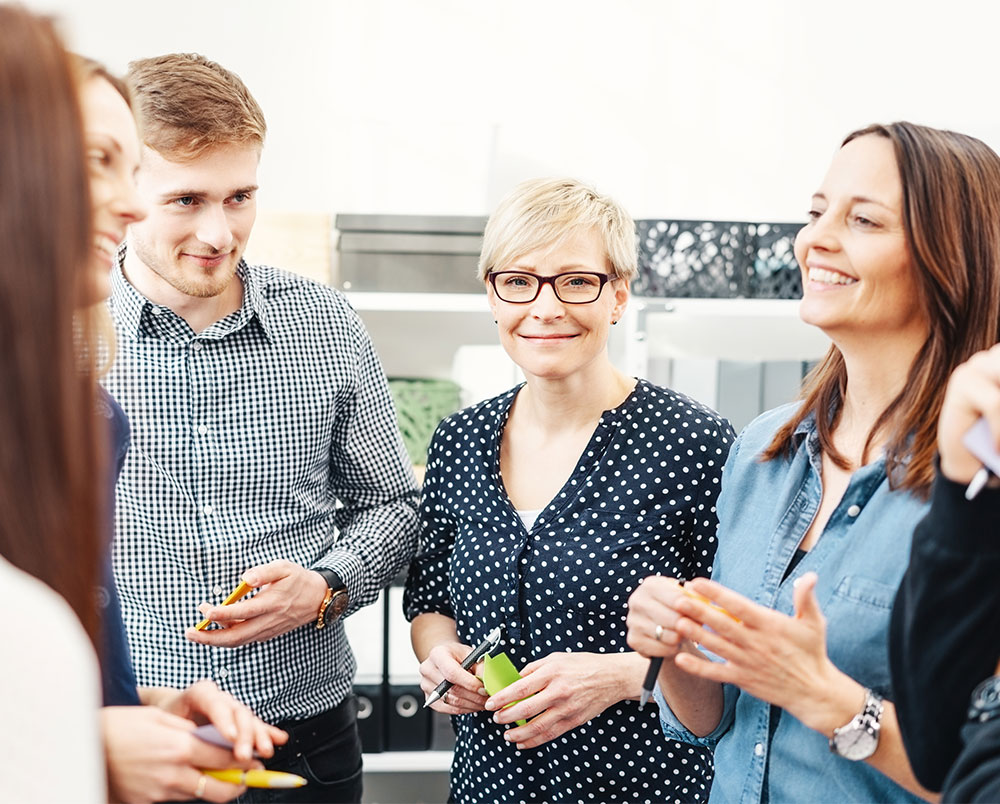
708,109
395,126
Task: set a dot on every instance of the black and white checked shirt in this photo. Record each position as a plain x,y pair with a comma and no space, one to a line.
269,435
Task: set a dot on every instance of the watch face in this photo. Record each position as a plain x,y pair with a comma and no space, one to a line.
986,699
337,606
855,742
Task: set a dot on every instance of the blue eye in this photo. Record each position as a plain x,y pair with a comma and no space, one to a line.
241,198
185,201
516,281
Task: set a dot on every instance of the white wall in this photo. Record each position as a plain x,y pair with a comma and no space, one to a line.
681,109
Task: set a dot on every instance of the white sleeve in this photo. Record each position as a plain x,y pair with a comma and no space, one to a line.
50,741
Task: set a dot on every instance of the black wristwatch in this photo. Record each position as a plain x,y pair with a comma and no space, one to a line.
336,600
985,702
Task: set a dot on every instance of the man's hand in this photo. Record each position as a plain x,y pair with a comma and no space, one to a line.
289,597
153,756
204,702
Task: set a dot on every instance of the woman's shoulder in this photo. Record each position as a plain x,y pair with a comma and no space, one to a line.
759,433
690,413
480,415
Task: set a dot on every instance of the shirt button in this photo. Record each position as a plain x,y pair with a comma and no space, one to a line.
854,510
223,672
156,310
758,749
202,429
197,346
217,590
207,509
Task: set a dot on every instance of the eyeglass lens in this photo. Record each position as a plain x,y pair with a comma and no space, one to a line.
572,288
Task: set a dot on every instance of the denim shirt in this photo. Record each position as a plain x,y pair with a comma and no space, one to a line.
765,510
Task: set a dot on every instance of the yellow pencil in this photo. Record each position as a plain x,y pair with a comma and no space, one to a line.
235,595
256,778
692,594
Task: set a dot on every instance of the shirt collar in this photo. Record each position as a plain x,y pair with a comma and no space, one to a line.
128,304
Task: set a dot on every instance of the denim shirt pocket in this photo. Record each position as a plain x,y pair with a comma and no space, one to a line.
860,608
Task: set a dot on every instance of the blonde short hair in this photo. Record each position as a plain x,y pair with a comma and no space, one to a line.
542,213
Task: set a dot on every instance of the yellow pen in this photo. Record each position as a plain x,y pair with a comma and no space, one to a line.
694,595
256,778
235,595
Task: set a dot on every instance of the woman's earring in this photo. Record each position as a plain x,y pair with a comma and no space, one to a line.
614,322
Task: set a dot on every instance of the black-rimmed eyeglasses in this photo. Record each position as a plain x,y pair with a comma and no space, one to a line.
580,287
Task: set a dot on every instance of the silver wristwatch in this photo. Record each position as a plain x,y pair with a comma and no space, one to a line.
858,739
985,702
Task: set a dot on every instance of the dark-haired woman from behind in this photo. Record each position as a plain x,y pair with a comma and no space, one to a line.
51,477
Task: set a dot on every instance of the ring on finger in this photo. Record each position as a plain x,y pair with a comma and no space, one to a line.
658,633
199,791
447,698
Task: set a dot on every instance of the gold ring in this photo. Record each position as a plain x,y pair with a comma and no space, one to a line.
199,791
658,633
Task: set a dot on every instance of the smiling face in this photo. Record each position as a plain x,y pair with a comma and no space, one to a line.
858,277
112,159
201,214
548,338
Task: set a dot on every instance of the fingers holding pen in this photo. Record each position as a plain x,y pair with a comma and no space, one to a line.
652,617
444,663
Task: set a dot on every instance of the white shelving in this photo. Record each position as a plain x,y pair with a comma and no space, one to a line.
718,329
419,302
408,762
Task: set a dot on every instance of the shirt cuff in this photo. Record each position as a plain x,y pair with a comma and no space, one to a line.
673,729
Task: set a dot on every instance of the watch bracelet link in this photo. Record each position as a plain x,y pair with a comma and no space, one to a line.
984,704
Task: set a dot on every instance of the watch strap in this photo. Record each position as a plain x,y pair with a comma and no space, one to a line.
332,578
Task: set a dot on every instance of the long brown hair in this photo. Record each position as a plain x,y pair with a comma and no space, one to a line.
951,219
52,478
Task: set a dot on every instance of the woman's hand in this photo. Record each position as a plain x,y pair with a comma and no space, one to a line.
774,657
564,690
445,662
973,391
204,702
152,755
651,606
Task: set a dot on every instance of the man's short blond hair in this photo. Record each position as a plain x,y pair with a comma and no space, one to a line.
542,213
187,105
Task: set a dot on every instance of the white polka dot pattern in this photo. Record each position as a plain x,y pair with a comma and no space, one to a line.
640,501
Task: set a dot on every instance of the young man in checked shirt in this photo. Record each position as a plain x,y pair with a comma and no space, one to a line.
264,441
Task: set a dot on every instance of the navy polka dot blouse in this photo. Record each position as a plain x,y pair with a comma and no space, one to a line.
640,501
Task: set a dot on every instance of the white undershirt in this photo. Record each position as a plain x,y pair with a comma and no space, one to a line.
528,518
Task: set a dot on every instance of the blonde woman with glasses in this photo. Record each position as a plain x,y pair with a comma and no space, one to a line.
543,507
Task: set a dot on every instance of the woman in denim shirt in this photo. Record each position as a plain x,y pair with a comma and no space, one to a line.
820,498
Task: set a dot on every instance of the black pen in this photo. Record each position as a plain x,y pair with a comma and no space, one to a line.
488,645
655,663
